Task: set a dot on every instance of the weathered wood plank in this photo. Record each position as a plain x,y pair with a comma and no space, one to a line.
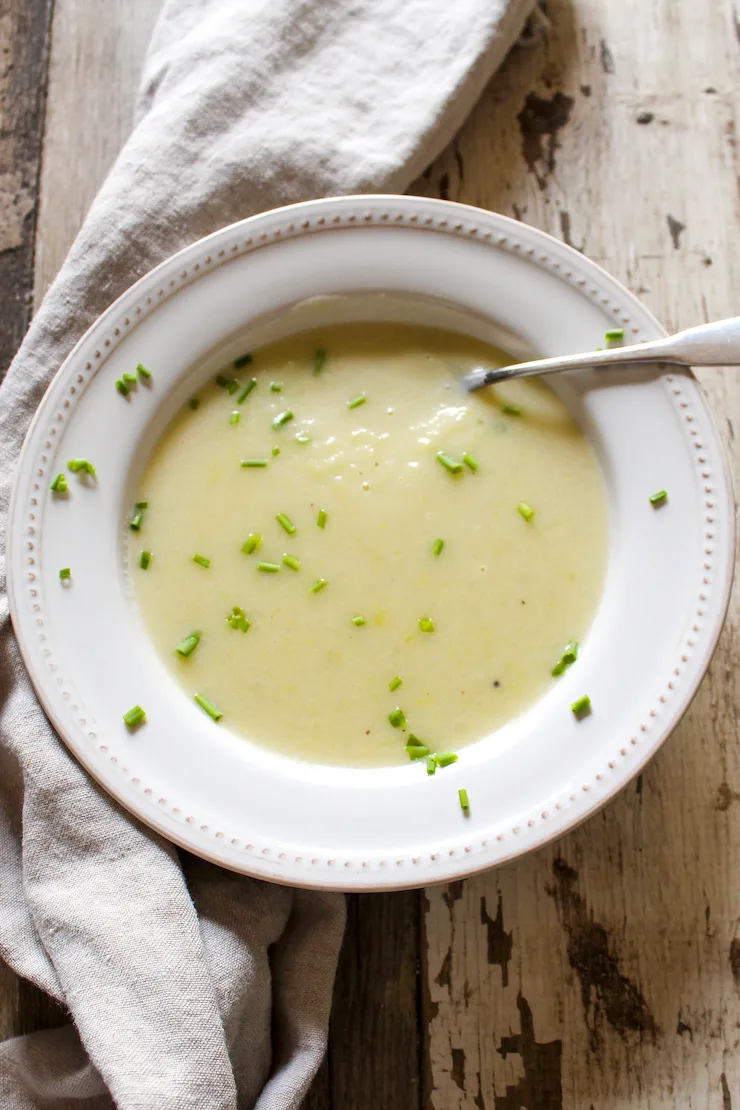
605,970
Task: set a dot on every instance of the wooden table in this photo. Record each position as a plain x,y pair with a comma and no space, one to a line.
604,970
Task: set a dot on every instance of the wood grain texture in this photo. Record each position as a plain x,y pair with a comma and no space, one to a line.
604,970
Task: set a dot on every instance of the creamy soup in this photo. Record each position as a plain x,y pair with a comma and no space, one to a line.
380,576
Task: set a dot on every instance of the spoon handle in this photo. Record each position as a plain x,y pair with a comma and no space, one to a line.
716,344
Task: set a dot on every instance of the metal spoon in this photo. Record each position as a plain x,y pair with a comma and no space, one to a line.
715,344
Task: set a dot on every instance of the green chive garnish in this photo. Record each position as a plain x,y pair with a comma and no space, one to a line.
242,361
268,568
444,759
122,387
145,559
359,620
194,402
238,619
416,750
285,522
614,335
253,463
292,562
558,669
223,381
232,387
251,543
276,387
129,378
59,485
397,718
84,465
426,624
470,461
319,358
449,463
142,371
320,519
570,653
395,683
208,707
431,765
302,437
355,402
141,505
658,498
319,585
188,645
134,716
463,796
246,391
526,511
581,706
282,419
137,516
437,547
510,409
276,451
65,573
202,561
234,418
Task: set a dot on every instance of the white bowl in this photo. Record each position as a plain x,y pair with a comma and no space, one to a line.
223,798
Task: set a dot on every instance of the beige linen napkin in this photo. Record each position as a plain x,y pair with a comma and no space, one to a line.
188,986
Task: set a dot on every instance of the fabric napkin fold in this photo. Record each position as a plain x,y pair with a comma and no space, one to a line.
189,987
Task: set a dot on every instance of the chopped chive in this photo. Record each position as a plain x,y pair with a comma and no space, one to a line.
417,751
395,683
426,624
444,759
122,387
570,653
84,465
251,543
141,505
463,796
431,765
285,522
292,562
276,451
319,358
355,402
437,547
194,402
232,387
449,463
65,573
614,335
234,418
129,378
470,461
135,522
134,716
238,619
276,387
319,585
242,361
581,706
320,519
282,419
302,437
208,707
558,669
143,372
253,463
223,381
202,561
658,498
397,718
187,646
246,391
145,559
268,568
59,485
525,511
510,409
359,620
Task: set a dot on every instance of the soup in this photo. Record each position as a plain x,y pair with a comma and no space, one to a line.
379,554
